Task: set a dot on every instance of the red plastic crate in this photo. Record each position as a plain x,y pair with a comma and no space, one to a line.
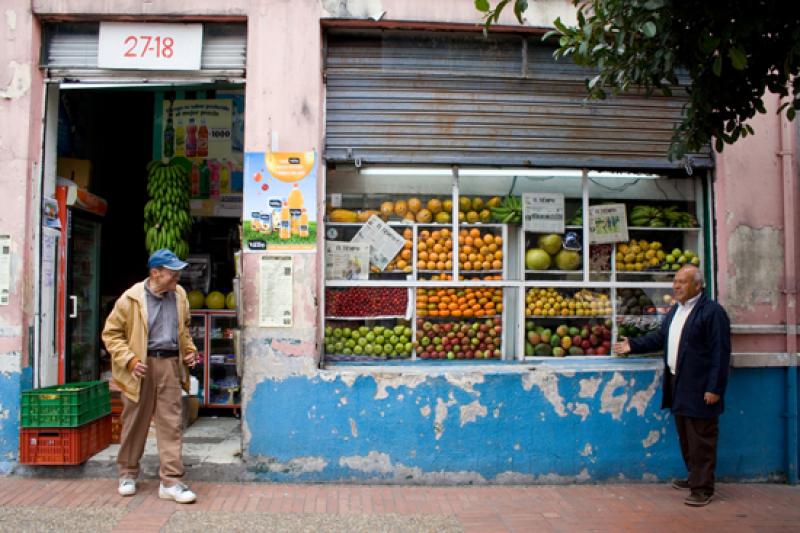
63,446
116,428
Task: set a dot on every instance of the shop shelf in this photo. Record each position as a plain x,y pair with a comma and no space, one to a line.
69,405
562,317
646,228
64,446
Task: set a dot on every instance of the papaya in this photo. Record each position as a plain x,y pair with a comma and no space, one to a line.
343,215
363,216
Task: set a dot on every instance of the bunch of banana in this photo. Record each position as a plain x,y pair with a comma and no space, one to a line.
656,217
577,218
166,215
509,210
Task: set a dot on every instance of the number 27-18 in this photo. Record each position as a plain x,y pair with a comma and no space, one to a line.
144,45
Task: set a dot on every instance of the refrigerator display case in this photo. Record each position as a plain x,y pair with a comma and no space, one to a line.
214,332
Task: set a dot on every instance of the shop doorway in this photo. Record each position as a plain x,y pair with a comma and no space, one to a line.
104,138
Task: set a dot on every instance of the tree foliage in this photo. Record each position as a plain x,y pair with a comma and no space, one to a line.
725,53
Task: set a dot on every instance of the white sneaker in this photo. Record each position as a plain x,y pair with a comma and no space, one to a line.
178,492
127,486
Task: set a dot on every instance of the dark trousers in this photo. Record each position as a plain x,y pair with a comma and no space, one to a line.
698,439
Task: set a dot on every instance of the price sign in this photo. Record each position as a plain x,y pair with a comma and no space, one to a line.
126,45
543,212
607,223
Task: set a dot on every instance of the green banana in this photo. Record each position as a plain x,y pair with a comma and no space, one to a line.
166,217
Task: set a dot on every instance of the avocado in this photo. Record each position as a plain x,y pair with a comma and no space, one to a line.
543,349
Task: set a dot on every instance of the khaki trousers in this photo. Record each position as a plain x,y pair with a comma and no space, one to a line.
160,397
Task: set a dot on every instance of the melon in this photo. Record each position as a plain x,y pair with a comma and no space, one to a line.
196,299
537,259
215,300
230,300
550,243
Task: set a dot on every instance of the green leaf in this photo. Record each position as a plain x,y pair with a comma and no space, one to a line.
560,26
738,59
519,9
649,29
716,68
482,5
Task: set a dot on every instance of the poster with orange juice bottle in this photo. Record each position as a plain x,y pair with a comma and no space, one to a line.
280,202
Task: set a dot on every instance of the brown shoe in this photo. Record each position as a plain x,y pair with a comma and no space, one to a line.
680,484
696,499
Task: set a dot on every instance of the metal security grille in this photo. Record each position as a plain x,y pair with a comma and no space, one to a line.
414,97
70,50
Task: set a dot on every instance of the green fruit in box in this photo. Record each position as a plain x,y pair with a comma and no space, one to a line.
558,352
676,266
347,332
215,300
358,350
355,334
230,300
543,349
528,349
670,258
555,340
550,243
363,330
568,260
695,260
407,332
196,299
682,260
576,350
574,331
676,252
368,349
537,259
337,332
328,331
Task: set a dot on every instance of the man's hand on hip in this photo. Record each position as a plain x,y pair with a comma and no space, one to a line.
711,398
190,358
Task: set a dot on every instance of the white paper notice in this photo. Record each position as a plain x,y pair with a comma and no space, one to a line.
5,268
543,212
346,260
385,243
275,292
607,223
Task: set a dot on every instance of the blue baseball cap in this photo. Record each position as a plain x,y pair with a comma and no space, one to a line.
166,259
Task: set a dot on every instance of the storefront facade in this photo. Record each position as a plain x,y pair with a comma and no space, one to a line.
527,417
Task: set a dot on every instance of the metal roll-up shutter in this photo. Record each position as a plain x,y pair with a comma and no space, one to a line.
414,97
70,51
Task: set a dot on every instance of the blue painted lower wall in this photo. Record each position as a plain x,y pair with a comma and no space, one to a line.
10,383
556,424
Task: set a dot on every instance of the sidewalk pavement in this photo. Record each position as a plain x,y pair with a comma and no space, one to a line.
36,504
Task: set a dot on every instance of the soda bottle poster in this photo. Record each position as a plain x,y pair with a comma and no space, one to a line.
280,202
197,129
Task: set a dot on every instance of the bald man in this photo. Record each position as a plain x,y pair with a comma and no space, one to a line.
696,339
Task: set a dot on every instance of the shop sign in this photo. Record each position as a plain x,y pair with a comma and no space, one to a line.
346,260
384,242
275,292
607,223
543,212
280,209
124,45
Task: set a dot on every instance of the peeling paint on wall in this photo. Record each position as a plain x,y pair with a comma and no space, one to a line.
587,450
514,478
296,466
20,82
10,363
384,381
441,414
471,412
589,387
547,382
354,8
353,428
755,256
580,409
425,411
582,477
610,403
465,382
641,399
651,439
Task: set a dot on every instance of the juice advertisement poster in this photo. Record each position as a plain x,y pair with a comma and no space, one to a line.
280,202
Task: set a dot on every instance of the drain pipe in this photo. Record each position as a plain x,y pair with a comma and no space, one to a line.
786,154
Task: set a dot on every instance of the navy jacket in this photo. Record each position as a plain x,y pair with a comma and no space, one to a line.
704,356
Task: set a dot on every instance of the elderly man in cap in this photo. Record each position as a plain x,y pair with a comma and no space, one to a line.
147,335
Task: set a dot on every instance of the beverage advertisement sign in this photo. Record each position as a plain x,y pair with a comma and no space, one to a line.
198,128
280,202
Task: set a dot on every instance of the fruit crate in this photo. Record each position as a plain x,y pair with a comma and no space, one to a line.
63,446
68,405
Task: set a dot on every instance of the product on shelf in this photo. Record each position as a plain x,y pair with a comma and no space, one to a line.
507,211
637,326
463,339
366,301
550,254
658,217
479,250
556,339
637,255
554,303
638,302
459,302
435,249
346,341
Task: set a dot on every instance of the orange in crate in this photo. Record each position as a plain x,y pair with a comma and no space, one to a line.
63,446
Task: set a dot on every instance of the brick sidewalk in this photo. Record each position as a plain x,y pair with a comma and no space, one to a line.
253,506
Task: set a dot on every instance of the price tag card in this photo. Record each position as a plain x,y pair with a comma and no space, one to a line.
543,212
385,243
156,46
346,260
607,223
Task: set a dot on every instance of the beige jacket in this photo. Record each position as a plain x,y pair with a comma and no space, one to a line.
125,337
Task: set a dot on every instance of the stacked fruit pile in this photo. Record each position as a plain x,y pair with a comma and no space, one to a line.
167,220
434,210
637,255
591,338
459,340
476,209
508,211
366,302
479,250
661,217
377,341
212,300
435,250
459,302
637,302
549,253
551,302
